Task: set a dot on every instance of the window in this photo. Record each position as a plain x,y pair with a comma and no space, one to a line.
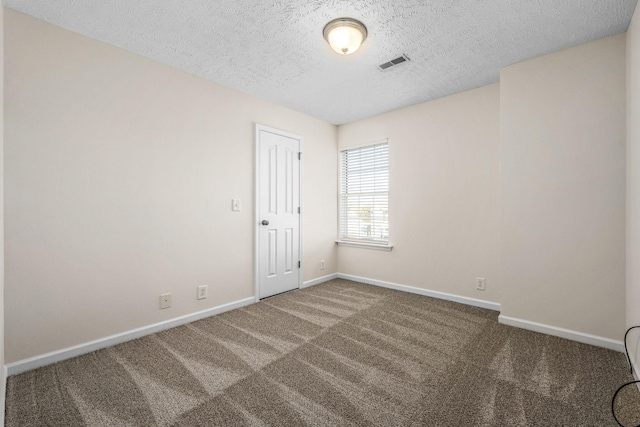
364,195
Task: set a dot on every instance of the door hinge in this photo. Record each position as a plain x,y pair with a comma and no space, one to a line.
299,155
298,209
299,264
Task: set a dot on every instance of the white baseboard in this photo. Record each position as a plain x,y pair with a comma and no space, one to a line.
77,350
319,280
562,333
433,294
67,353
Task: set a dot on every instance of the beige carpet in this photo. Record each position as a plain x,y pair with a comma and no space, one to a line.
337,354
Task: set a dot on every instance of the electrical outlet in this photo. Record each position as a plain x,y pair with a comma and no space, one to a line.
480,283
165,300
321,264
202,292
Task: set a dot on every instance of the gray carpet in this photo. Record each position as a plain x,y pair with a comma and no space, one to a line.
337,354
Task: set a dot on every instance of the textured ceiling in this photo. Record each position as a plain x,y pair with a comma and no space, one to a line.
273,49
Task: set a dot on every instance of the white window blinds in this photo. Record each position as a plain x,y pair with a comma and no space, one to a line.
364,194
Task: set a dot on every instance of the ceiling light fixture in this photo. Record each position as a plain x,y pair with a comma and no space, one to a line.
345,35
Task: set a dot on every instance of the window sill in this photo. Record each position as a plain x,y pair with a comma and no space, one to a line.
364,245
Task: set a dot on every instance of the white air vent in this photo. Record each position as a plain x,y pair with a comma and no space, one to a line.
399,60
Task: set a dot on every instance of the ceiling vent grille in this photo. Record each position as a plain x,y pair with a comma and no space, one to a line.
399,60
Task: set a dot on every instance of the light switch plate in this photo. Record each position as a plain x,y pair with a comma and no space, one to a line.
235,205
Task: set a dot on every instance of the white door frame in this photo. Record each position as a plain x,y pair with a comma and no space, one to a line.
256,215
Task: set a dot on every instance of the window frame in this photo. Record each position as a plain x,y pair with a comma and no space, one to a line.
343,240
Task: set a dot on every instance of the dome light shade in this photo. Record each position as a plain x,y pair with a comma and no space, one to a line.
345,35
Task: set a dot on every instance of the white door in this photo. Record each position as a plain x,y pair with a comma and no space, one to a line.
277,211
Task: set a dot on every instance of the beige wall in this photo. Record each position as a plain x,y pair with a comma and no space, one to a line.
444,195
562,127
633,178
3,381
119,177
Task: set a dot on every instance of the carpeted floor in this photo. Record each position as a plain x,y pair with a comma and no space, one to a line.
337,354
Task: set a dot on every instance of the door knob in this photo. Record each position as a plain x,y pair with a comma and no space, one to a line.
265,222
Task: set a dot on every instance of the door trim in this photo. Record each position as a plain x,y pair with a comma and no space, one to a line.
256,203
